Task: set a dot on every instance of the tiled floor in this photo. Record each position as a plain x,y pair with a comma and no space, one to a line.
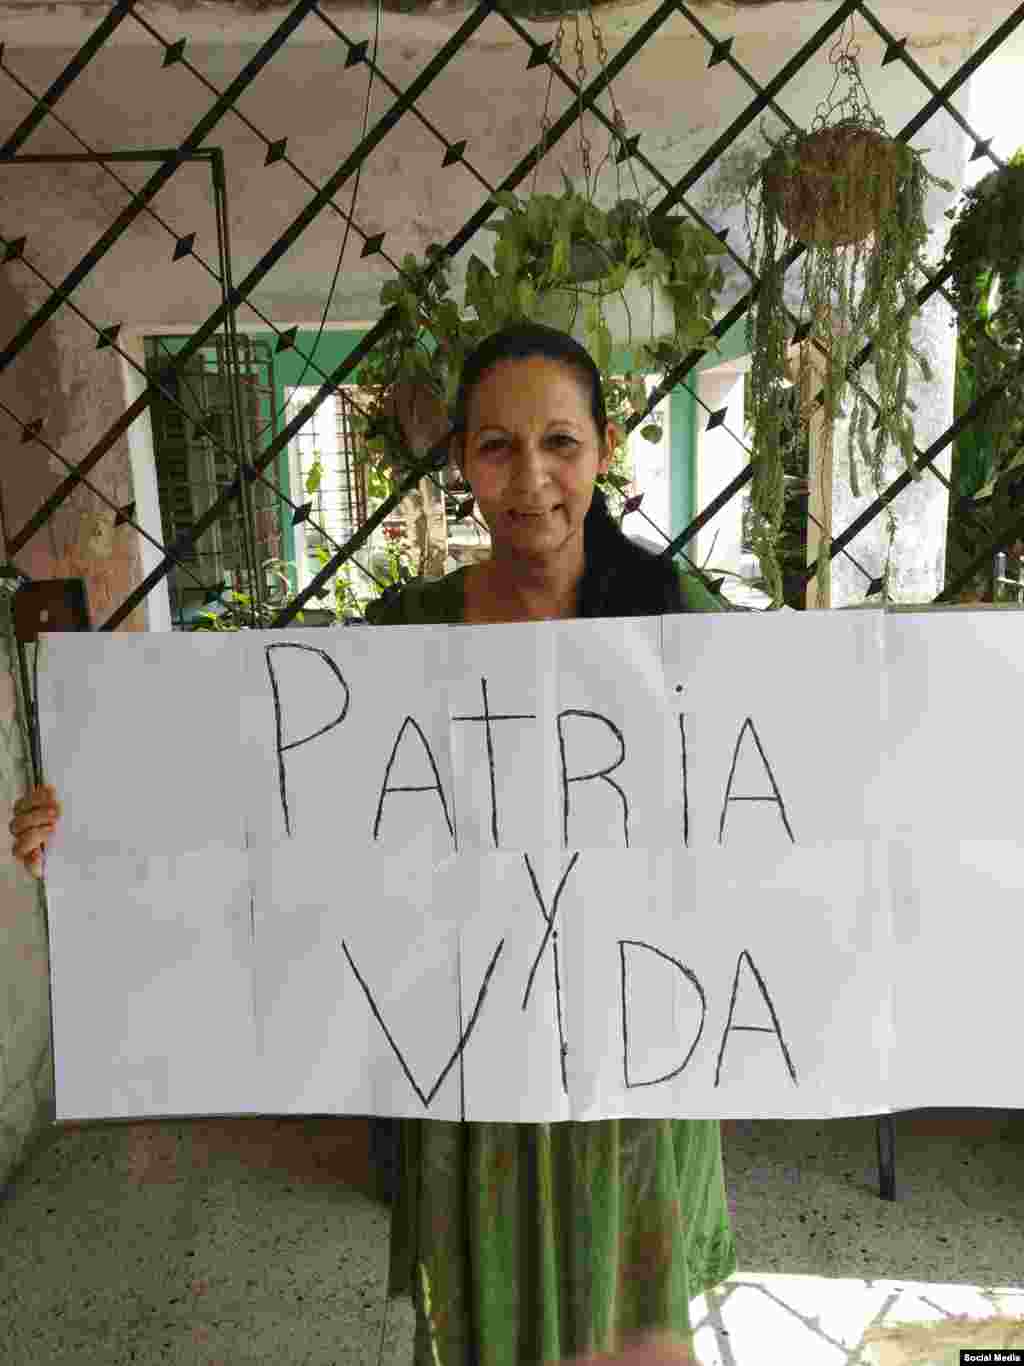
200,1244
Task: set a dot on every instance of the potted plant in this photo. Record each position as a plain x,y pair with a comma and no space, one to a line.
565,261
855,199
552,254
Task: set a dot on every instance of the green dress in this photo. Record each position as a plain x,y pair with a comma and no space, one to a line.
544,1241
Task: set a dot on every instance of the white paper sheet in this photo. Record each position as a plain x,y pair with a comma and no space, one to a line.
147,881
753,987
955,683
782,716
958,951
706,869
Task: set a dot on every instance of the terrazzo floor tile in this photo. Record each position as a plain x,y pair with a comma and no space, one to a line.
185,1245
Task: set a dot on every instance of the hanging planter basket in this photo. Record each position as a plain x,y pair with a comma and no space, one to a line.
836,185
420,412
563,261
855,198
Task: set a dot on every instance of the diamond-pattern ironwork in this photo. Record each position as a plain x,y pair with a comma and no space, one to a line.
234,297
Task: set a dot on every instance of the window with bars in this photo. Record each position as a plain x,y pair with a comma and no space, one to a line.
341,503
193,445
193,469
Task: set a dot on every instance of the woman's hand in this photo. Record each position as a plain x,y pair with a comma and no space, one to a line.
35,819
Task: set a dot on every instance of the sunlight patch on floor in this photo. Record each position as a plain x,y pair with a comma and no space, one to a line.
752,1320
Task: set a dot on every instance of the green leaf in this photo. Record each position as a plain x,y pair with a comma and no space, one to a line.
598,336
651,432
560,252
655,264
526,298
616,279
507,256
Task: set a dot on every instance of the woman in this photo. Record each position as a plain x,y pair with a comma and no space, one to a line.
545,1240
540,1241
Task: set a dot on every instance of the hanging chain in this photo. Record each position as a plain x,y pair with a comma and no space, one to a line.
581,79
545,122
616,138
854,103
619,136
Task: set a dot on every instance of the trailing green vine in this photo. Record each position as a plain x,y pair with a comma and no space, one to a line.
855,288
554,256
567,250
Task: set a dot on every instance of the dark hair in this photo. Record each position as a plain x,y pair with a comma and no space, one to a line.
620,578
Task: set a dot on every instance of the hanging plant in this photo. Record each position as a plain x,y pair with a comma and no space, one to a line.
836,185
986,255
554,258
566,262
855,198
411,375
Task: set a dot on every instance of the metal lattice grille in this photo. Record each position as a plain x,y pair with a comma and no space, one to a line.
250,469
340,502
192,438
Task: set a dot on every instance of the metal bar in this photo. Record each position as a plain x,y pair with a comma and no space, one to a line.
383,326
795,64
209,154
280,154
353,543
1009,532
92,157
263,266
206,154
593,91
886,1135
238,417
413,109
964,73
925,80
933,285
122,517
979,406
224,280
155,183
688,532
74,69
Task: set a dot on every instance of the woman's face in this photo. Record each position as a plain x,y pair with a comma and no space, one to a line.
531,454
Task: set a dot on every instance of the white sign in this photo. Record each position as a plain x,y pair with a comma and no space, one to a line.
698,866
